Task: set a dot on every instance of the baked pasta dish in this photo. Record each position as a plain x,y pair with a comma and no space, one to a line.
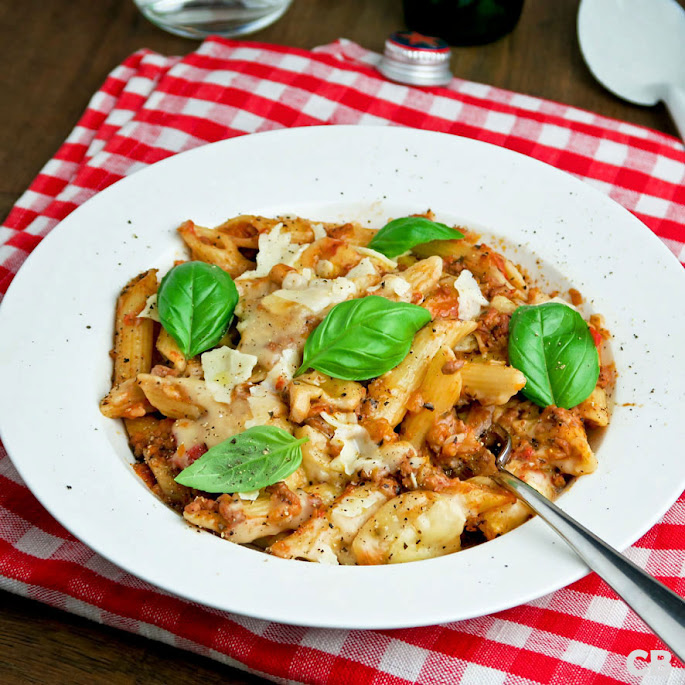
321,391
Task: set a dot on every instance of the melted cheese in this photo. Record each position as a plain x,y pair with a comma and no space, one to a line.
264,404
319,231
283,370
250,496
224,368
362,270
218,422
320,293
388,263
275,247
357,449
470,297
150,310
393,285
415,525
353,510
273,326
265,401
297,280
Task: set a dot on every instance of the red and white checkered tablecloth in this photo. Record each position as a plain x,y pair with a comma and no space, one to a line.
151,107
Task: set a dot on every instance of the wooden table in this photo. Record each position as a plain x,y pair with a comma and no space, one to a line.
56,54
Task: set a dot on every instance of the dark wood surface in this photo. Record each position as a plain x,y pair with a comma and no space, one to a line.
56,53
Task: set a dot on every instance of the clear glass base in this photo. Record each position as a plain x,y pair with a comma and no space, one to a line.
201,18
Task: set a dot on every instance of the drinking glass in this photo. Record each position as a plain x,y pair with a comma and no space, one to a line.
200,18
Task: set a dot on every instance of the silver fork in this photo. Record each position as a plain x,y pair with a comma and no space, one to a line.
660,608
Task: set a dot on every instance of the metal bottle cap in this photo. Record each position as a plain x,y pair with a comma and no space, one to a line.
416,59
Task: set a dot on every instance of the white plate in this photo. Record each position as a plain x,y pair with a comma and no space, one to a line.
56,324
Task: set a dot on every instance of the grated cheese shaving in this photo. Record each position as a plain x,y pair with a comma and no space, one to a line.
470,297
150,310
224,368
275,247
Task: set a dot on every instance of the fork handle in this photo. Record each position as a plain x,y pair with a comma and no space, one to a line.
660,608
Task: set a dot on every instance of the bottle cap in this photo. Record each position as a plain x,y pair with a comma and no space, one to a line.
416,59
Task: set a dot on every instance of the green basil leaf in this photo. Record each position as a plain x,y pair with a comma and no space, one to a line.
363,338
401,235
251,460
552,346
195,303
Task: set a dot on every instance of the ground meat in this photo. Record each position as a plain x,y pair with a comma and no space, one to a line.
560,430
493,333
231,509
163,371
607,375
443,302
202,504
457,447
285,504
389,485
380,430
154,439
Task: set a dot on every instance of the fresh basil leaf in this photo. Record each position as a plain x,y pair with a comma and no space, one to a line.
552,346
251,460
363,338
195,303
401,235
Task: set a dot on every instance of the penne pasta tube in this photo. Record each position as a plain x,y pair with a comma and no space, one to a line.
164,473
168,348
388,395
133,336
316,460
206,245
277,509
352,233
337,255
439,392
322,392
125,401
491,382
147,431
326,492
171,395
595,409
328,538
244,230
424,275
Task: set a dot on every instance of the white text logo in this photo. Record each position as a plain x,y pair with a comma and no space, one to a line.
657,661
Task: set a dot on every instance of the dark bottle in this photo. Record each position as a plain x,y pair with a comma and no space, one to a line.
463,22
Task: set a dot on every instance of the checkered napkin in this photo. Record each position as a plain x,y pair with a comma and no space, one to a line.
151,107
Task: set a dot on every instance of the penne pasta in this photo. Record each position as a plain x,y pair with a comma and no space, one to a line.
491,382
125,401
328,538
207,245
171,396
595,409
424,275
314,392
133,336
388,395
438,393
168,348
